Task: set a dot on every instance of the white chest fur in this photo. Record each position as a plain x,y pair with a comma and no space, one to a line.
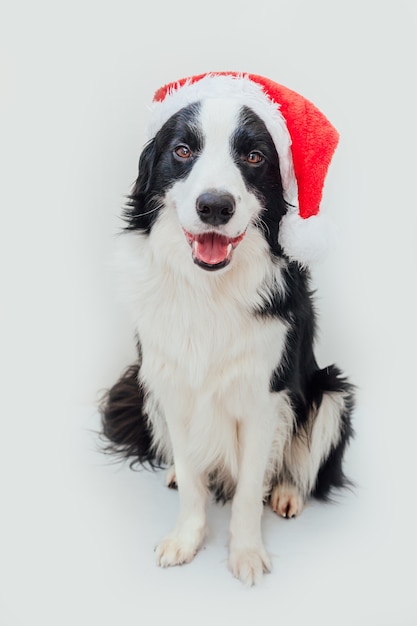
207,358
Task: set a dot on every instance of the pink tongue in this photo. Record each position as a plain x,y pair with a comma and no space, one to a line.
211,249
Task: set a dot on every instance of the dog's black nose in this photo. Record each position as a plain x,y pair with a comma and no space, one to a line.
215,208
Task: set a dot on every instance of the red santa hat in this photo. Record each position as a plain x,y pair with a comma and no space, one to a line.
304,138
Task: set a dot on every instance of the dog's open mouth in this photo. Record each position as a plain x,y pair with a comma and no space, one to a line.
212,251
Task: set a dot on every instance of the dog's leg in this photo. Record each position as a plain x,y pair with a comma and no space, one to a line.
183,543
248,558
313,458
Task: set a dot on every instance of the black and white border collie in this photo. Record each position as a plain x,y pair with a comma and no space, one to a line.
226,392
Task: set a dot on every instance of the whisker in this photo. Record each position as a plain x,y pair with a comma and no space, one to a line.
131,208
258,221
151,211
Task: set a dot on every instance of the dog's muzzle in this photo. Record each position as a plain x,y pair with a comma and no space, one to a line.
212,250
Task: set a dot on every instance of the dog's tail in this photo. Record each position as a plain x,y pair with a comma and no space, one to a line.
125,429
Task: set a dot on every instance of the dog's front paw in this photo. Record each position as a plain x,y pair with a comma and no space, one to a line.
178,548
249,564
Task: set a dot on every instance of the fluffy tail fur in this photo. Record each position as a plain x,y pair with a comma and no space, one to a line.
125,427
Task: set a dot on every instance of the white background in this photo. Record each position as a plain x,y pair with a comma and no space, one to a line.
78,533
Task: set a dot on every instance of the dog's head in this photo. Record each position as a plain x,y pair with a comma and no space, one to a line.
215,164
233,154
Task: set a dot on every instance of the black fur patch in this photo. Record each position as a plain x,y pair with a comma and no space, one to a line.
125,427
159,169
264,180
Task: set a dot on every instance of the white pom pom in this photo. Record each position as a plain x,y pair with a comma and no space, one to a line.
304,240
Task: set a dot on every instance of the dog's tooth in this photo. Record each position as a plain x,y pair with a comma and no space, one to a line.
229,249
195,246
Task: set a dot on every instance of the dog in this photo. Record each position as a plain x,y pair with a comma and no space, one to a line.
226,391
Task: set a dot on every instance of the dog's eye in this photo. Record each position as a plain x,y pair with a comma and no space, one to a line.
255,158
183,152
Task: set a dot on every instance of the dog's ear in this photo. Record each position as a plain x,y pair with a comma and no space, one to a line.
146,163
139,211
